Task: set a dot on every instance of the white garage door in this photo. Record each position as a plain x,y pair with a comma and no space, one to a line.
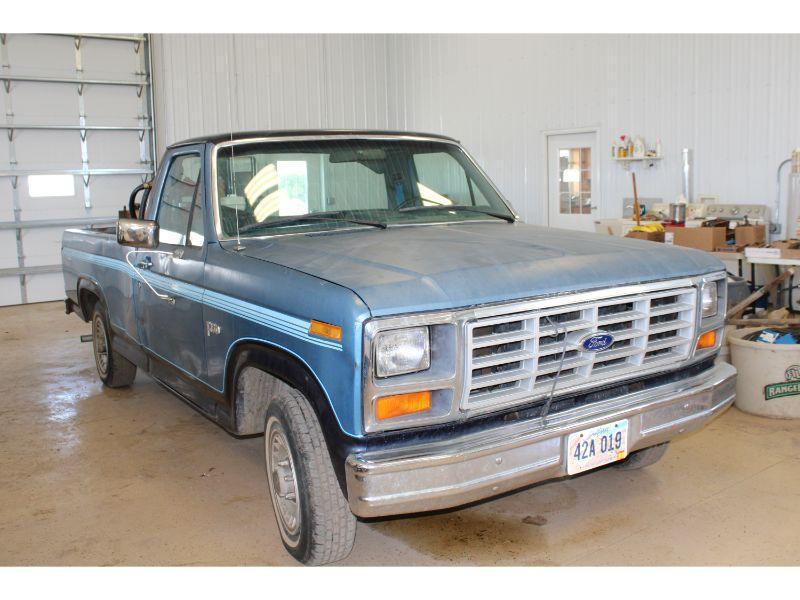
78,138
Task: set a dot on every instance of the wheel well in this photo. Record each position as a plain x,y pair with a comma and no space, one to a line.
86,301
257,373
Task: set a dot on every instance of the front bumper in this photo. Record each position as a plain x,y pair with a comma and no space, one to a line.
471,467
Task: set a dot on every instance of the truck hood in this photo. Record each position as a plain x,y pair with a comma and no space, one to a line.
416,268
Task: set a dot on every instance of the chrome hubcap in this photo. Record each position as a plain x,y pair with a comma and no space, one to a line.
100,343
282,481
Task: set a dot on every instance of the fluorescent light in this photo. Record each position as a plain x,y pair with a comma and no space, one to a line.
49,186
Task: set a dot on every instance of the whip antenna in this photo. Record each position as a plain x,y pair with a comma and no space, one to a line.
232,168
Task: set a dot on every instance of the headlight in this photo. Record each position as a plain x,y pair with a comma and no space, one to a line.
708,300
402,351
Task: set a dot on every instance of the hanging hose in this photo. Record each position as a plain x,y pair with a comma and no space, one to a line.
132,200
165,297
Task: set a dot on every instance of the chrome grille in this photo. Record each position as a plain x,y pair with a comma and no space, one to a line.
517,355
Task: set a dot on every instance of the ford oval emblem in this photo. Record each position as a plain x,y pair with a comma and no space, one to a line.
597,342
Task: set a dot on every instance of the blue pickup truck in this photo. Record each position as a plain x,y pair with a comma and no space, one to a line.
369,302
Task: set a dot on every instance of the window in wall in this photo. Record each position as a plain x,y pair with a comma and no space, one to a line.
177,200
51,186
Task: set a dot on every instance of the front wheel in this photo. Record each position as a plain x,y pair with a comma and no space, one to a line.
313,517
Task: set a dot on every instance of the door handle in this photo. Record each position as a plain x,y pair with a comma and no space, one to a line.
146,263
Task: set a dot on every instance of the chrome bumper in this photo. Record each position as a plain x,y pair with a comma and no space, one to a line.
472,467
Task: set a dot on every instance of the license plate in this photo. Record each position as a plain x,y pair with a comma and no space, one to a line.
592,448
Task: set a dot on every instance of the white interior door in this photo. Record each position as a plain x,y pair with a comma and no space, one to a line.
572,179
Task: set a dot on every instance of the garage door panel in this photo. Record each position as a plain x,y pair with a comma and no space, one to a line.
8,249
9,290
119,102
6,202
41,103
109,149
40,287
110,61
46,149
42,246
41,55
110,195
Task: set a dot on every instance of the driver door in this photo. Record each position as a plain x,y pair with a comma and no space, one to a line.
171,323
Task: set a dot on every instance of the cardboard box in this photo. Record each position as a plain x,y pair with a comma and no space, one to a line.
700,238
750,235
650,236
789,249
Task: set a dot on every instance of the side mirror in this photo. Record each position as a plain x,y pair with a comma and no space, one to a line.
137,233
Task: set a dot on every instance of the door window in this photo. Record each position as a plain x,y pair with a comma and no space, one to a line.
180,210
575,181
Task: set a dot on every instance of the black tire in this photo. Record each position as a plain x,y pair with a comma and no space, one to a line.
115,370
325,529
643,458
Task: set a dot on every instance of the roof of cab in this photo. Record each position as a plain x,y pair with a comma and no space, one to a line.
244,135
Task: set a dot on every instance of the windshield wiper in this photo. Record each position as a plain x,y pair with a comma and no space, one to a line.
488,213
331,216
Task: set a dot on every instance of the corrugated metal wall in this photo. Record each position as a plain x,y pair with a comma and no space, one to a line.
731,98
215,83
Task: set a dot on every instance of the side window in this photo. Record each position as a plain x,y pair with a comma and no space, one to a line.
180,209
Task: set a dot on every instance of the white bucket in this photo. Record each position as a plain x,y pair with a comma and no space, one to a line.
768,383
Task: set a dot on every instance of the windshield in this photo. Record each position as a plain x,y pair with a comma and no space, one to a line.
322,185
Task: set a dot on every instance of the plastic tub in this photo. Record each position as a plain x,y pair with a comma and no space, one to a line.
768,383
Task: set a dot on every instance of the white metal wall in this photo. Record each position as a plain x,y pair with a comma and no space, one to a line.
214,83
731,98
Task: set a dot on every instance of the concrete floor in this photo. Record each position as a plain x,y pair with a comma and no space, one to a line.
91,476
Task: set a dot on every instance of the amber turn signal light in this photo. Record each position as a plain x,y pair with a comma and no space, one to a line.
326,330
707,340
402,404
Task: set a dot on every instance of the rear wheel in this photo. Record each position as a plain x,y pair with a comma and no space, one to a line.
643,458
313,516
114,369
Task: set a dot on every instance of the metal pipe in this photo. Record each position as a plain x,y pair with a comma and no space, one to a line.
777,228
13,126
35,79
84,172
45,223
687,174
37,270
151,101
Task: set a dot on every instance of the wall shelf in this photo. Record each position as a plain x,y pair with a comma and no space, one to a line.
627,161
635,158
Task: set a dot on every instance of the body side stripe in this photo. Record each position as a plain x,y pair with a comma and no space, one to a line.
278,321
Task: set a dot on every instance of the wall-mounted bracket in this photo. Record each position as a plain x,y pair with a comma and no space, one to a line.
14,181
3,38
82,133
86,177
78,40
10,133
139,91
137,45
7,85
80,89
